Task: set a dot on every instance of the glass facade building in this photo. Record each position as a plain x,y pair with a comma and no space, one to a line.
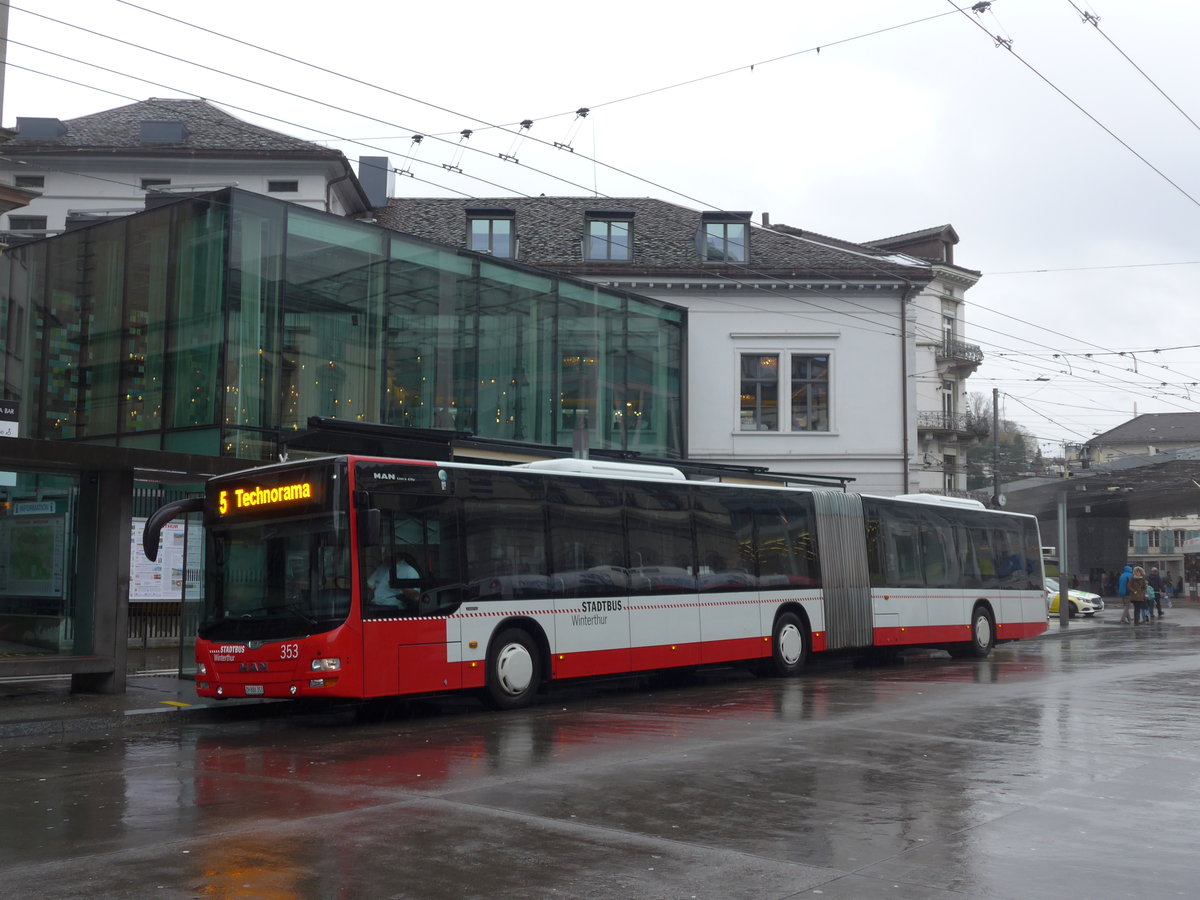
218,323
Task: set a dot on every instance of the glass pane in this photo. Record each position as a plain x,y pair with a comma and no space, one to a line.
502,238
253,349
480,235
597,240
587,539
146,316
759,392
56,379
725,558
660,540
810,393
38,612
333,290
505,549
786,543
110,366
620,246
198,331
513,310
735,243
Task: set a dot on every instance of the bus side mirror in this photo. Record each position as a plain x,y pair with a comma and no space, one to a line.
161,516
369,527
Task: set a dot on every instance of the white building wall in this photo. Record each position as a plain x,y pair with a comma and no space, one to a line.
115,185
860,332
929,373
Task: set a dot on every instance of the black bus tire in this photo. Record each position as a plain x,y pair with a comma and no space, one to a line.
983,636
789,646
514,670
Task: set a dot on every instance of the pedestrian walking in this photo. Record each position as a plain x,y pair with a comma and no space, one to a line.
1123,593
1136,592
1154,603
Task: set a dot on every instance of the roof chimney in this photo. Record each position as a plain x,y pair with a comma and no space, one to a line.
377,180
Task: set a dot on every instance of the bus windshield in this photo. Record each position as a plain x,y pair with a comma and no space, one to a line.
272,579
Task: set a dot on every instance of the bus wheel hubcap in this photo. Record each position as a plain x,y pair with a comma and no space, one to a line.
790,644
983,633
514,669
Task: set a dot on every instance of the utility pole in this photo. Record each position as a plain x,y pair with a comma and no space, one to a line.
1064,586
996,502
3,52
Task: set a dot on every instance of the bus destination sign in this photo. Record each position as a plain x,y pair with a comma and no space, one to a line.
248,499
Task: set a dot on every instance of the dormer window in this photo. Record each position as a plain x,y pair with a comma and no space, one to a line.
491,231
609,236
725,236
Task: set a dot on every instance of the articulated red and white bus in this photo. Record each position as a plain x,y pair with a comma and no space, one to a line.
364,577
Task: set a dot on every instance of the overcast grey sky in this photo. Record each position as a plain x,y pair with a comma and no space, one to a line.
1068,174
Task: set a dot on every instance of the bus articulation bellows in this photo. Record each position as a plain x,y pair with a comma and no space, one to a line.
360,577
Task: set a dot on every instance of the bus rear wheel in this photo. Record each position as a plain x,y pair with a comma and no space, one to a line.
789,646
983,636
514,670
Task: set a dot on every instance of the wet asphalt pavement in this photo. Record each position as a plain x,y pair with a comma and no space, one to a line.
1061,767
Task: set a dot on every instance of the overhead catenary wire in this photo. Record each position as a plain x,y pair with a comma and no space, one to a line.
489,183
840,313
1007,44
1094,21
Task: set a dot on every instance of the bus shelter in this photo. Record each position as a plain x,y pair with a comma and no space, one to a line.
66,522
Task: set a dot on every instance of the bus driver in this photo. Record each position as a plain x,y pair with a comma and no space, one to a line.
396,588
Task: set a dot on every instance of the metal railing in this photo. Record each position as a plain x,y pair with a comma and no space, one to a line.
960,351
959,423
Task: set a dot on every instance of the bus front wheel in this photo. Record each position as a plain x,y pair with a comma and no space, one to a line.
514,670
789,646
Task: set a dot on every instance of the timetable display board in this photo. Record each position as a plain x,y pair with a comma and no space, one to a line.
33,548
163,579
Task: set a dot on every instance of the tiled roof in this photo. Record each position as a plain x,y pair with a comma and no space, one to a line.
1152,428
207,129
665,238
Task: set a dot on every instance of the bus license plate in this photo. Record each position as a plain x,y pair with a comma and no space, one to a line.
254,690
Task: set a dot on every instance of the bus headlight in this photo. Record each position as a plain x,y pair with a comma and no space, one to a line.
327,664
201,668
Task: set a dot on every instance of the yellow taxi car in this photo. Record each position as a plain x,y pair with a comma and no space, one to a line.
1083,603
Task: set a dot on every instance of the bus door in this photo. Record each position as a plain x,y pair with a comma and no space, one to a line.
589,577
409,586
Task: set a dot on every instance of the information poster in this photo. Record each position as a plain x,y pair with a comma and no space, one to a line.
32,554
163,579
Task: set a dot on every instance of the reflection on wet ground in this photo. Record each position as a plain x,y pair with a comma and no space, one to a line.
1020,776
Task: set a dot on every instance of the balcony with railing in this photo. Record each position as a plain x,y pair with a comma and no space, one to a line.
960,354
958,424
